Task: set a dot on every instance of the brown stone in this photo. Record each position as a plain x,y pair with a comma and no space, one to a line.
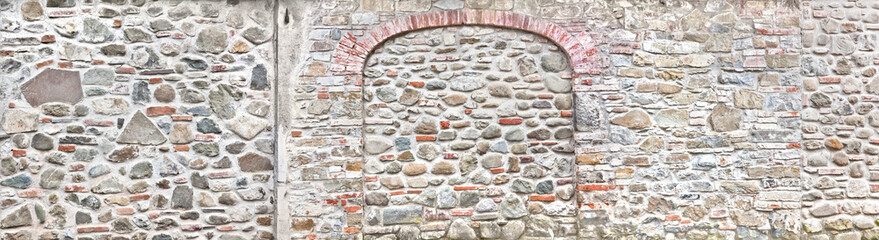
414,169
443,168
455,99
302,224
123,154
833,143
252,162
724,118
53,85
239,47
165,93
635,119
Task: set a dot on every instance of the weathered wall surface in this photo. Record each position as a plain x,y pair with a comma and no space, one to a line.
136,120
718,119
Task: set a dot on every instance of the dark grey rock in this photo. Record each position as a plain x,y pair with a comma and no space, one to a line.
137,35
20,181
207,149
42,142
258,78
207,125
141,170
182,198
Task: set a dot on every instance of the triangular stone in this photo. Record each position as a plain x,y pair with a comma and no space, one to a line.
140,130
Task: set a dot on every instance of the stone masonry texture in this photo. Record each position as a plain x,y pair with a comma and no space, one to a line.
439,119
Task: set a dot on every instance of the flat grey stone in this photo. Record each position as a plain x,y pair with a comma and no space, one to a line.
140,130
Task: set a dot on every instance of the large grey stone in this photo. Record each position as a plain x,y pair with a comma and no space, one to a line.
461,230
222,100
401,215
181,198
247,126
103,76
140,130
51,178
19,217
257,35
94,31
212,39
513,207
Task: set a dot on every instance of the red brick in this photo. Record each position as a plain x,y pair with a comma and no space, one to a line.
181,148
32,193
139,197
417,84
18,152
353,209
160,110
156,80
125,70
462,212
75,188
93,229
65,64
296,133
66,148
445,124
424,138
596,187
510,121
542,198
45,63
184,118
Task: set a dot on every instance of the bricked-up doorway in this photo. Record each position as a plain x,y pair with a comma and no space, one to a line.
470,125
349,60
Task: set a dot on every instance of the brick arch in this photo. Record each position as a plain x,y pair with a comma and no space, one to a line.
350,55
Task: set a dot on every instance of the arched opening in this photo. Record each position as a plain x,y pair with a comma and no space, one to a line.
468,126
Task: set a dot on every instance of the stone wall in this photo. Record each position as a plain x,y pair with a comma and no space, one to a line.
644,119
136,120
839,119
